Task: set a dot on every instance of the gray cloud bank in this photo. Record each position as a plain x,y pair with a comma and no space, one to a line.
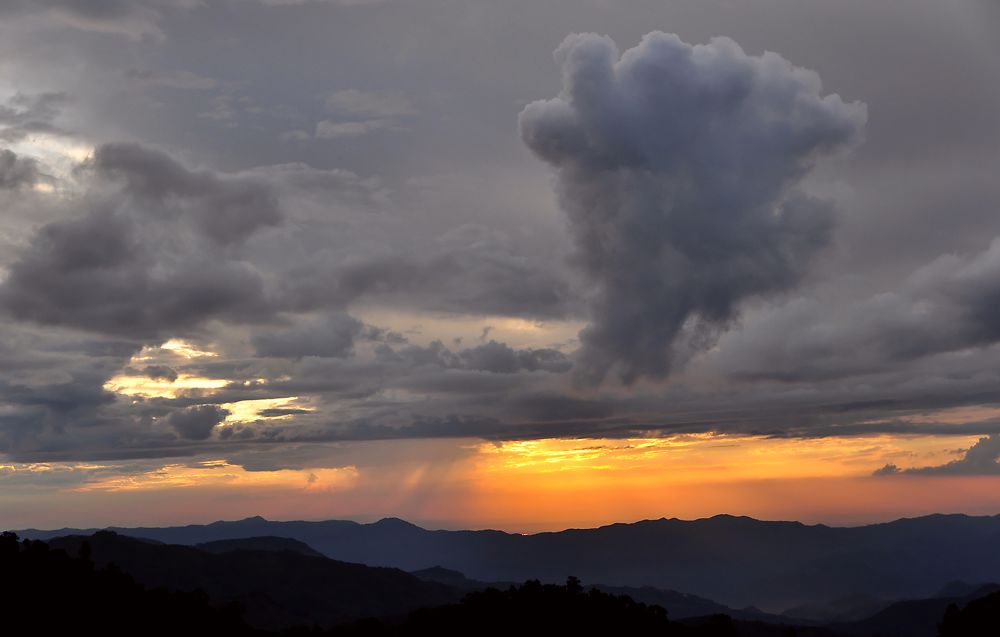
695,207
16,172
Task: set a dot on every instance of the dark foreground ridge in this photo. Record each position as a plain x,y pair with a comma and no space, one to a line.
49,591
107,584
277,583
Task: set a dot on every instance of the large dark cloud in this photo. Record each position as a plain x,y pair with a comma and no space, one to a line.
330,337
153,256
15,171
197,423
679,167
494,357
226,209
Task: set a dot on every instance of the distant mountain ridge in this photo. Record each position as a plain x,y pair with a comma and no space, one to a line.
266,543
737,561
914,617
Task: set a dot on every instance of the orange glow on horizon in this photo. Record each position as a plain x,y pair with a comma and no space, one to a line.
535,485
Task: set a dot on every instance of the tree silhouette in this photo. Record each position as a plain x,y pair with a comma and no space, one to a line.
979,618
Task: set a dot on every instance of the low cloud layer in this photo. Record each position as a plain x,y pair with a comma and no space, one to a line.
951,304
680,167
981,459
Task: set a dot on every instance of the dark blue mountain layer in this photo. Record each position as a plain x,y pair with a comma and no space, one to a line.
737,561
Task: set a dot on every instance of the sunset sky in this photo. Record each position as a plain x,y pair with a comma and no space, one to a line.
519,265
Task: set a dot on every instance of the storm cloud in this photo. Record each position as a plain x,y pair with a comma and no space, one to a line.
330,337
197,423
680,170
144,256
15,171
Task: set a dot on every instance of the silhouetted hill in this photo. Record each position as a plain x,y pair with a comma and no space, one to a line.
259,544
737,561
684,605
678,605
277,588
50,592
455,579
843,609
544,609
914,617
46,589
959,588
979,618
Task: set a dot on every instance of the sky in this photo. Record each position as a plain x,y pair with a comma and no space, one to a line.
511,265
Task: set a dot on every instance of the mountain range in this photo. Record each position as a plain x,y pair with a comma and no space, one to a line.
736,561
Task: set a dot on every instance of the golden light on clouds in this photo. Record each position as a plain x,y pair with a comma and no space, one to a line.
164,386
216,473
709,457
49,467
180,348
250,410
146,387
134,384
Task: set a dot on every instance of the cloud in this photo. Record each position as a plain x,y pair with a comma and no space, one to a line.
157,372
355,103
981,459
502,358
328,129
358,113
197,423
131,18
329,337
344,3
152,253
464,272
680,170
16,172
25,114
494,357
947,305
180,80
226,209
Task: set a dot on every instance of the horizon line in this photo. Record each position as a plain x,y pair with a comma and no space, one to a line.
561,530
